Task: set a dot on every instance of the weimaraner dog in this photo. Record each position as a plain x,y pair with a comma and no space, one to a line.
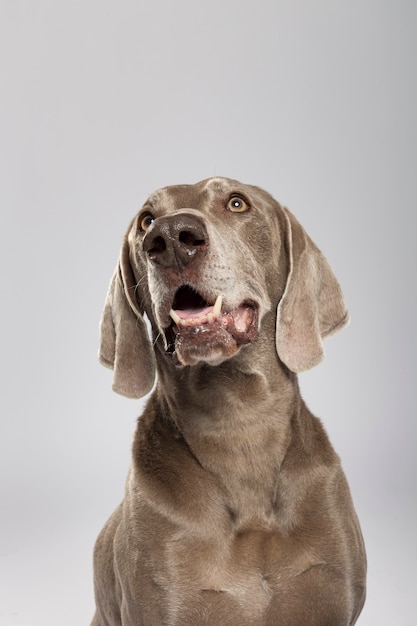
236,510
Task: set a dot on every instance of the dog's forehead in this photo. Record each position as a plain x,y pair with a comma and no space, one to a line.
205,192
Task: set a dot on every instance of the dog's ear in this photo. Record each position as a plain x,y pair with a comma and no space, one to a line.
312,305
124,342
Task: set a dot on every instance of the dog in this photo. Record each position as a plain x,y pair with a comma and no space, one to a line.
236,510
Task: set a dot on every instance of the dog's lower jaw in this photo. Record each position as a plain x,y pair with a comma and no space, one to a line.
215,341
197,345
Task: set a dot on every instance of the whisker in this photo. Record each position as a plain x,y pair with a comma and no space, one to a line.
142,281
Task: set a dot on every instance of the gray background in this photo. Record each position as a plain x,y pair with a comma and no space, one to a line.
103,102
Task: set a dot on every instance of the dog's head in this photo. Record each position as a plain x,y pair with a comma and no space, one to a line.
206,263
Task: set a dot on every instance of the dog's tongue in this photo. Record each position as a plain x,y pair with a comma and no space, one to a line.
193,312
196,313
239,322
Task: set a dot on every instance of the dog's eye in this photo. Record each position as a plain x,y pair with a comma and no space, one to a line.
146,221
237,205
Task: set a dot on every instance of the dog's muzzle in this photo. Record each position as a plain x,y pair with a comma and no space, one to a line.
201,327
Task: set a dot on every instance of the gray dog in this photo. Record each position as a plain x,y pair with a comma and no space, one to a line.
236,511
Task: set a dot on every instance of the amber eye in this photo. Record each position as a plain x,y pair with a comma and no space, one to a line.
237,205
146,221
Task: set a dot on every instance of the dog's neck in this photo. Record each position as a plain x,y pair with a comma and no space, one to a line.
235,419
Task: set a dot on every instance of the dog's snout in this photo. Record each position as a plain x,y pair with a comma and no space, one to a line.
175,240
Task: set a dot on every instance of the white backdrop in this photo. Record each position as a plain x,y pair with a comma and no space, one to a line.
101,103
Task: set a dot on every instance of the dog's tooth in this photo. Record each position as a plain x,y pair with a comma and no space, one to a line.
217,309
175,317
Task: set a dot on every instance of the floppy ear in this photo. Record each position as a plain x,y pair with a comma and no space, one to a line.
312,305
124,342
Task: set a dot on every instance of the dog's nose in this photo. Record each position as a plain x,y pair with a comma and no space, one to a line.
175,240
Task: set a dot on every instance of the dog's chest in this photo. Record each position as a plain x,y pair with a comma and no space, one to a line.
237,575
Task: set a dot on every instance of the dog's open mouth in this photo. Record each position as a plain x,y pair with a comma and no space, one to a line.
203,331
